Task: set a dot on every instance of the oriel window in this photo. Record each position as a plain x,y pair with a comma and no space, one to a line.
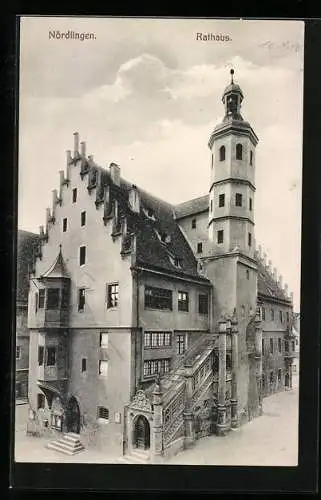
53,298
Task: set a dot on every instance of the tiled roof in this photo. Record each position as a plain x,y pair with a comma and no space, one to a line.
57,269
26,244
267,285
190,207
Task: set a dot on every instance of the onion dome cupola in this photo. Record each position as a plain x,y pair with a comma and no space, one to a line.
232,99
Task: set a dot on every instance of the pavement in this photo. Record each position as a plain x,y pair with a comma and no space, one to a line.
269,440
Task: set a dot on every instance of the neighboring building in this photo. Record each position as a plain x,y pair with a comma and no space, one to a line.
296,334
26,250
143,316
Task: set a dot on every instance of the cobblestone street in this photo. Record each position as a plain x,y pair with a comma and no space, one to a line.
269,440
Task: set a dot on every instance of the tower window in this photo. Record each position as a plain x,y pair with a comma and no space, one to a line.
83,218
220,236
238,199
250,203
199,247
112,295
211,205
212,161
74,195
247,274
222,153
272,314
81,299
193,223
250,239
83,364
239,151
251,157
271,346
82,255
221,200
64,225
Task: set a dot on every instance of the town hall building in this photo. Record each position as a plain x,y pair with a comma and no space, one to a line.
153,325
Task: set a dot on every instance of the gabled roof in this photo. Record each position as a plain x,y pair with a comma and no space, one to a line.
27,243
191,207
57,269
267,285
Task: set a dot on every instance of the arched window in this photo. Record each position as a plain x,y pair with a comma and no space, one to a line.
239,151
251,157
222,153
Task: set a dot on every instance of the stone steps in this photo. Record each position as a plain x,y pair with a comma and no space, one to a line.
69,444
137,457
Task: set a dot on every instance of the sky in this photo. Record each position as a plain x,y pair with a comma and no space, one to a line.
146,94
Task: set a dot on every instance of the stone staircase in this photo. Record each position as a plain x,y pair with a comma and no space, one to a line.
69,444
139,457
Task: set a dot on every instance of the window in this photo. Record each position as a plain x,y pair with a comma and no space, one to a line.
40,401
250,204
74,195
239,151
271,345
18,352
40,355
263,382
238,199
153,340
64,298
287,317
271,377
293,345
53,298
64,224
228,362
82,255
154,366
222,153
272,314
182,301
212,161
263,313
250,239
279,375
211,205
102,413
51,356
263,346
247,274
83,218
81,299
103,368
280,345
158,298
104,339
203,304
199,247
220,236
83,364
281,316
41,299
112,295
180,341
193,223
286,346
221,200
251,157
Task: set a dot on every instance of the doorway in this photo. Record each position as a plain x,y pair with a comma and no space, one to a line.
142,433
73,416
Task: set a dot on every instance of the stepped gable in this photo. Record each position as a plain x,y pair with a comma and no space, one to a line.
27,244
191,207
267,286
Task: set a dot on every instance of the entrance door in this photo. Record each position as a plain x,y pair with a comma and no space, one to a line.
73,416
142,433
286,380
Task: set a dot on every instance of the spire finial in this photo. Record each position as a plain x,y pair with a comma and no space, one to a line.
232,73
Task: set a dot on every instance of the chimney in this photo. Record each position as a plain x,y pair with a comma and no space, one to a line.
83,149
114,171
68,154
76,144
134,200
69,160
286,289
61,183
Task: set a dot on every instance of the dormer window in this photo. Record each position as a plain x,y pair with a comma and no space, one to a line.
149,213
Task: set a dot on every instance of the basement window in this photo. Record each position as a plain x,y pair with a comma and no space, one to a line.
103,413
